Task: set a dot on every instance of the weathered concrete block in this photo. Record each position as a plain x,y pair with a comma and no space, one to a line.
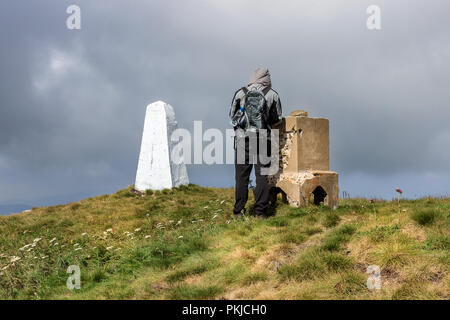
304,174
156,170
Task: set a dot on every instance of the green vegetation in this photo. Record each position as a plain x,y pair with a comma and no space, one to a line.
184,244
424,216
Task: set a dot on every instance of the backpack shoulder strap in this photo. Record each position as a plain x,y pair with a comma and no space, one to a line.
244,89
266,91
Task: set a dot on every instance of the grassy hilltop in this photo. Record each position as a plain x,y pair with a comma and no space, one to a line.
183,244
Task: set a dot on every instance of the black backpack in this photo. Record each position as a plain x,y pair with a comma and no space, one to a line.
255,113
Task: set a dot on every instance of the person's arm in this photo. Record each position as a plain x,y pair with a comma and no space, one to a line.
276,111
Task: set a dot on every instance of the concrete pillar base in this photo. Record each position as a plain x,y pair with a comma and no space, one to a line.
310,187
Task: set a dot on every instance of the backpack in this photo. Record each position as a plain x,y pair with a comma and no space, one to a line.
254,115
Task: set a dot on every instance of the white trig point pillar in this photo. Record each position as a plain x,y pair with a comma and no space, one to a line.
156,170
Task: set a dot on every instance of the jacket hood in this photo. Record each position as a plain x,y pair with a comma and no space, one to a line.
261,76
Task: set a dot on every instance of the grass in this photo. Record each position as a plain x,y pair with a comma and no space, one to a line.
337,237
184,244
424,216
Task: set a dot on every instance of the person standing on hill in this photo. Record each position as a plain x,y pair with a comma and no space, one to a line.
254,108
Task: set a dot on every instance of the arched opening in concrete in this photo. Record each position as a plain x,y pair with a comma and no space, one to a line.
275,193
319,195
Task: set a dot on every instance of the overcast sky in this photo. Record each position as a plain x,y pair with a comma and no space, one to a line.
72,102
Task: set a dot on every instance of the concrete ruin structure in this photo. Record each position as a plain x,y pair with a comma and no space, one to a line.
304,176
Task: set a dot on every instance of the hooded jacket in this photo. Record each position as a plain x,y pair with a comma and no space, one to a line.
259,80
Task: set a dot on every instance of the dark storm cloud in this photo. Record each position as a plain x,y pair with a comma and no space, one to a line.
72,102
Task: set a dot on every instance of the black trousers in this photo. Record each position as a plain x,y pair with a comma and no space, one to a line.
242,176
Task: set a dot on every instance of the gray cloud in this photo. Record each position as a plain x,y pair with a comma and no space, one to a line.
72,102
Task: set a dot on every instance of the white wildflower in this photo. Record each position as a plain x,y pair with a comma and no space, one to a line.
180,237
78,249
109,230
179,222
37,240
56,243
24,247
221,202
215,216
137,229
14,259
44,257
109,248
205,207
75,244
147,236
84,233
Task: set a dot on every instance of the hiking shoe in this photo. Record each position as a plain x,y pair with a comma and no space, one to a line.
239,215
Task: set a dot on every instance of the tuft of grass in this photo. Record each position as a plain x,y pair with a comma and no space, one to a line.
98,275
278,221
330,220
351,283
184,272
75,206
437,240
293,237
336,262
191,292
395,253
314,264
234,273
254,278
382,233
125,193
162,253
337,237
309,265
312,230
424,217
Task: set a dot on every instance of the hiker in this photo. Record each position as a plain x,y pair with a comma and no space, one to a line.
254,107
